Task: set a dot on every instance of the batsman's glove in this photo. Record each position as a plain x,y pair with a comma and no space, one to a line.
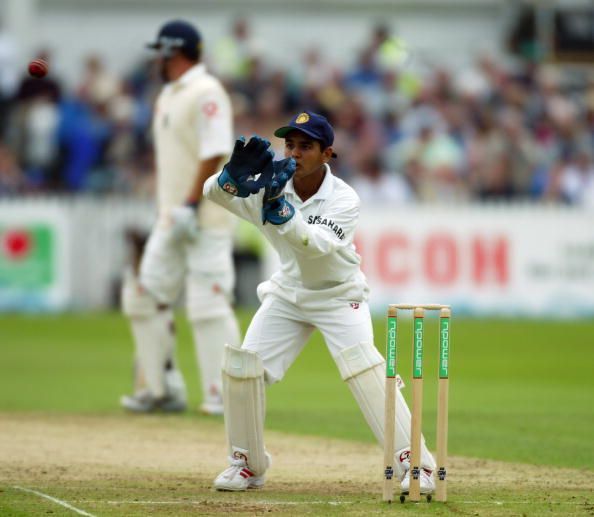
184,222
275,208
240,175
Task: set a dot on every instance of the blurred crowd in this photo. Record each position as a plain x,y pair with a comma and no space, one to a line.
407,130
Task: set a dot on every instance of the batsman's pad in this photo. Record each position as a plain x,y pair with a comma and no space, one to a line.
136,301
208,298
210,336
364,370
168,342
245,406
152,336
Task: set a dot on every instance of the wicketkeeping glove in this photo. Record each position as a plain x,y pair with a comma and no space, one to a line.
247,161
184,223
275,208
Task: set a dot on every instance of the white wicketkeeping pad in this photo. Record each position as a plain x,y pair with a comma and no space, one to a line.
364,368
245,406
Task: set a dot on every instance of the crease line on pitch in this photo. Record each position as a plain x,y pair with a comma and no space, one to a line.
54,500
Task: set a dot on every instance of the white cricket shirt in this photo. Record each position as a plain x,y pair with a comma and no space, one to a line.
192,122
316,250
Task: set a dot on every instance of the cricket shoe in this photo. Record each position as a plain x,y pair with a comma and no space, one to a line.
213,404
144,402
238,477
211,408
427,483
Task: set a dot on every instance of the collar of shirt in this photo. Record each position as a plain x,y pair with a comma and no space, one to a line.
197,70
323,193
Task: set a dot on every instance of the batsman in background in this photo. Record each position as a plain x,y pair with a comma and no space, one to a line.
191,240
310,217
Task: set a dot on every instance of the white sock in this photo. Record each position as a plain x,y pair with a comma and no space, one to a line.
210,336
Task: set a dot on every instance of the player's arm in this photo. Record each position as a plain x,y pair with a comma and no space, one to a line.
206,169
236,187
214,132
246,208
324,234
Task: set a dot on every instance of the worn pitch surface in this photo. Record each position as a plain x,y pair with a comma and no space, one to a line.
164,465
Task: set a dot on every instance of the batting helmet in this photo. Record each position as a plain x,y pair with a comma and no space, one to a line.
178,35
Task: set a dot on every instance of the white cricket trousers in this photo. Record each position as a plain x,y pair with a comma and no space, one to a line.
280,329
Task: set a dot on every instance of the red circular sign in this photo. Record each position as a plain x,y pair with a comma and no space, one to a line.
17,244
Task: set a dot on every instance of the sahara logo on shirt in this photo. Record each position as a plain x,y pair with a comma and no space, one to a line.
318,219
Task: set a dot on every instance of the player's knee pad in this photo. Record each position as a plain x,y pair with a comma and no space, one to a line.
363,368
162,268
136,301
355,359
244,397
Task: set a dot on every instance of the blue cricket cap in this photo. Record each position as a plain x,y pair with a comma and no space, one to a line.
178,35
312,124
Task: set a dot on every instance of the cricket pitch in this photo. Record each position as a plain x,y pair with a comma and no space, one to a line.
164,465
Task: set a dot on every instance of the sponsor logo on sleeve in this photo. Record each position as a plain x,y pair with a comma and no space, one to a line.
285,211
230,188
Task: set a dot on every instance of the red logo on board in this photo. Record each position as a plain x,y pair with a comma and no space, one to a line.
17,244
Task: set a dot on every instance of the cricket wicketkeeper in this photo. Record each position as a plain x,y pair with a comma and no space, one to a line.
309,216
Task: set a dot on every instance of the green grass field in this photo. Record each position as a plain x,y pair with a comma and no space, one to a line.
520,391
517,387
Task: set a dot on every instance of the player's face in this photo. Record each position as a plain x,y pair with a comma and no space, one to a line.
169,66
307,153
164,68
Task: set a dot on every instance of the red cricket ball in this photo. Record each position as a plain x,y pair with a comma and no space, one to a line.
38,68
